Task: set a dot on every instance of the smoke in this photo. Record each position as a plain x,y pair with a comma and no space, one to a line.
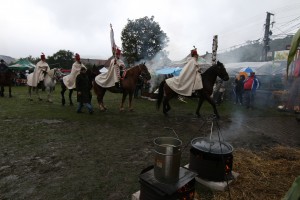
159,61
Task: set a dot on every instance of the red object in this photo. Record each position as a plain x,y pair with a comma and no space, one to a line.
43,57
118,51
248,83
194,52
77,57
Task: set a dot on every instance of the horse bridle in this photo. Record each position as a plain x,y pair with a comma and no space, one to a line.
143,74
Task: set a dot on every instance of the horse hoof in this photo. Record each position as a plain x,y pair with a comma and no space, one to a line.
122,110
40,99
131,110
30,99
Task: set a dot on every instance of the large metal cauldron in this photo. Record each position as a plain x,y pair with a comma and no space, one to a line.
211,159
167,159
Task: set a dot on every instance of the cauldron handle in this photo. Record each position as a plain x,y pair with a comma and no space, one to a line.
172,130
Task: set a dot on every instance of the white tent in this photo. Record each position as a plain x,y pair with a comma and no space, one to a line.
260,68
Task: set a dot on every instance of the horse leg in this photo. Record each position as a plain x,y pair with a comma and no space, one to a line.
212,103
62,92
29,93
166,106
200,102
130,101
49,95
2,91
70,97
38,94
9,91
123,100
100,96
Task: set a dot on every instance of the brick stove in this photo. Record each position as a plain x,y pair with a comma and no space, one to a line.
182,189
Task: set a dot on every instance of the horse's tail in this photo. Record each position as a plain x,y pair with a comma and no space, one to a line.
160,94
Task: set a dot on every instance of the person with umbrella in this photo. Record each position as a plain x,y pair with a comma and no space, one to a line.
251,84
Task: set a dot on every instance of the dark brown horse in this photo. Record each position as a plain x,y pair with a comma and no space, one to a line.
209,77
6,79
128,86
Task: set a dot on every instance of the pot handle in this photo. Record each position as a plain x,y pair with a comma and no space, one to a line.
172,130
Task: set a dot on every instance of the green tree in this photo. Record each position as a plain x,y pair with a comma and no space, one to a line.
142,39
62,58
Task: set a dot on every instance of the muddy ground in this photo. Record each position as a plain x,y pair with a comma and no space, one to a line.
50,152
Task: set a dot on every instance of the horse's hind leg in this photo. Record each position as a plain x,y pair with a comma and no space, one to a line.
212,103
62,93
70,97
2,91
166,106
200,102
9,92
29,93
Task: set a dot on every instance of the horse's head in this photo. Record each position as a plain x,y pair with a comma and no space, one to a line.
144,71
221,71
57,74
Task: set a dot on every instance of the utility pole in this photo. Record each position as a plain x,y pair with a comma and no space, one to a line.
266,47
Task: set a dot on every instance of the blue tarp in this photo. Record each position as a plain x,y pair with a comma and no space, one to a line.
169,70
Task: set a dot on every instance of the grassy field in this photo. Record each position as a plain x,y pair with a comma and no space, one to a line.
48,151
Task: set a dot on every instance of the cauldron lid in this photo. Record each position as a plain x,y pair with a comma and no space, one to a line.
211,146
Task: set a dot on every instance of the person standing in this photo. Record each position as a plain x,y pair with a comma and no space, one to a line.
70,80
189,79
239,89
3,66
251,84
83,91
112,76
38,74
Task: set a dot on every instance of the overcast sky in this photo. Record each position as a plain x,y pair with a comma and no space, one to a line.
29,27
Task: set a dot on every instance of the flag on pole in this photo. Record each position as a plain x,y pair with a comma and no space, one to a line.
112,40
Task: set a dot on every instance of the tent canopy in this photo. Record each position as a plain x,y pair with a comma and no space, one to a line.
22,64
260,68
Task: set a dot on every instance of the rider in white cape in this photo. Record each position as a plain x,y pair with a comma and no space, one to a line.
189,79
34,78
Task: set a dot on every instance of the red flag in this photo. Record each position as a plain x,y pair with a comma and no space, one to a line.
112,40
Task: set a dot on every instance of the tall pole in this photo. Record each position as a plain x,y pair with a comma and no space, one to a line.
214,50
266,47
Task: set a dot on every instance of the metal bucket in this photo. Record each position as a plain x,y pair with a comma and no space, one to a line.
167,159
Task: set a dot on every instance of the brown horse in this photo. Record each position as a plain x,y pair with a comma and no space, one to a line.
128,86
165,93
6,79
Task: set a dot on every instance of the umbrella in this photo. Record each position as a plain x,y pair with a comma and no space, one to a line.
245,71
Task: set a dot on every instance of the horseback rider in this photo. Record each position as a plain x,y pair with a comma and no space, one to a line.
70,80
39,72
113,75
189,79
3,67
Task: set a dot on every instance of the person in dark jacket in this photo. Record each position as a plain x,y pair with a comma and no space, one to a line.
3,66
239,89
83,91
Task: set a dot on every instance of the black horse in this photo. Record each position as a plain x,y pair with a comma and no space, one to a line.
6,79
92,73
165,93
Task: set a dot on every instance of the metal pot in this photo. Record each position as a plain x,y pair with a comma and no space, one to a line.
211,159
167,159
